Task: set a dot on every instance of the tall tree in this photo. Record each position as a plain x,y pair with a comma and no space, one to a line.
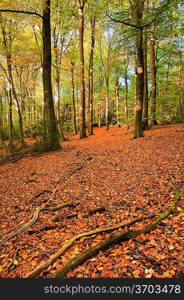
52,135
145,98
91,81
73,98
153,72
81,5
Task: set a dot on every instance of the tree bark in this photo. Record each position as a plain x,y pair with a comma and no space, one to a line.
73,99
52,135
145,98
10,120
126,94
138,131
91,62
153,79
153,74
81,4
117,100
107,102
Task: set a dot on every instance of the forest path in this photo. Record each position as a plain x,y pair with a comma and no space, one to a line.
127,177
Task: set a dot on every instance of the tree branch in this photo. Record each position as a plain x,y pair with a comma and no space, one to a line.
22,12
160,10
123,22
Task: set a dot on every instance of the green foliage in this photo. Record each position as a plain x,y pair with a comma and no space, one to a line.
35,130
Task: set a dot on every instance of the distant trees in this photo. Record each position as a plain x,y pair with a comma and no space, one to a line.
51,137
94,72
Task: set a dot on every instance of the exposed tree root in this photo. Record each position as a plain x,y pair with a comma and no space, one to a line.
46,228
33,220
69,242
40,194
123,236
90,213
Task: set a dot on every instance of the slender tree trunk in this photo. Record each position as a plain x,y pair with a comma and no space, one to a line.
145,100
52,135
91,61
107,103
73,99
153,79
81,4
59,117
7,47
153,73
58,64
16,99
10,119
126,94
138,132
99,104
117,100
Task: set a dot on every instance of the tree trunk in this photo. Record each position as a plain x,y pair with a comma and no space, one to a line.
99,103
117,100
153,79
82,78
91,61
58,64
52,135
59,123
145,99
153,73
7,46
126,94
107,103
10,120
138,132
73,99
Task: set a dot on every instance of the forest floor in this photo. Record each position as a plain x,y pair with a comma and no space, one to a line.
125,178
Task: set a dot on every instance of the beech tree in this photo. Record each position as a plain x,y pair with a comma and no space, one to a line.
81,5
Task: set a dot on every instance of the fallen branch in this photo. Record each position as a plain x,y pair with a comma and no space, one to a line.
33,220
123,236
69,243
